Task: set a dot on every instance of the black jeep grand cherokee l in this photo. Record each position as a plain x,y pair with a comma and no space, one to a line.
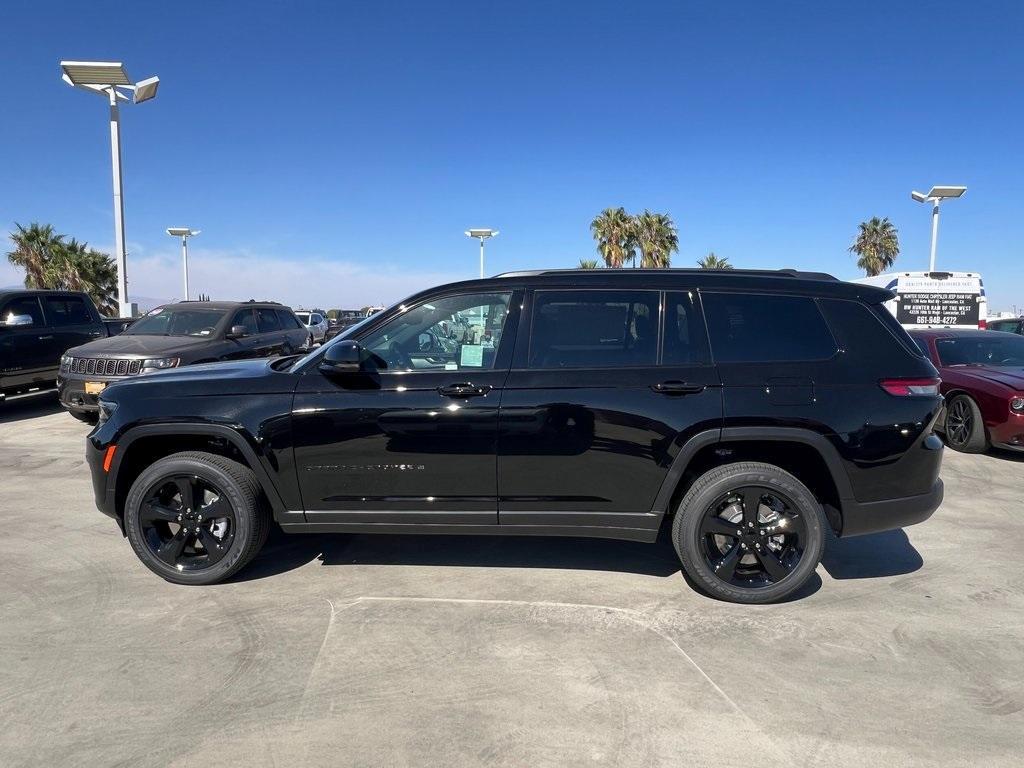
753,409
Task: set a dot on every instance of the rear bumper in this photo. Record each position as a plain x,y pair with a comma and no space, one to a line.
860,518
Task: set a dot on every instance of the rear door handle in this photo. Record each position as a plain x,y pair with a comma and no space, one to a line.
677,388
45,338
464,390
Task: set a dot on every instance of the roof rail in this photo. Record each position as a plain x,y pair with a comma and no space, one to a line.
795,273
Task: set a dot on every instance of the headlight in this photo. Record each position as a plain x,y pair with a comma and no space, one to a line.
107,409
65,363
1017,404
159,363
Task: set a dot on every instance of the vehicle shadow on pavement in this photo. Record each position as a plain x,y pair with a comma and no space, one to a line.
1006,455
29,407
889,553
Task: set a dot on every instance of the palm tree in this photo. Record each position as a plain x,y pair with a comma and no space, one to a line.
657,238
34,247
588,264
714,262
877,245
613,231
86,269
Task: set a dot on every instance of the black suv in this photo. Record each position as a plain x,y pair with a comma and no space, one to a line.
174,335
748,410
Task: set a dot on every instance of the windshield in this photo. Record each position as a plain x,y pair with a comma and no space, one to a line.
999,351
175,321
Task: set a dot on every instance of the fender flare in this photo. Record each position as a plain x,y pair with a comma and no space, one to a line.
235,436
819,442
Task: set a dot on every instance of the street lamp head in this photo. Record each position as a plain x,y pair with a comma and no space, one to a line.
946,191
106,77
919,196
182,231
482,234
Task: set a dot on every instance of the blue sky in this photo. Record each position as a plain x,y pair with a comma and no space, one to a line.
333,153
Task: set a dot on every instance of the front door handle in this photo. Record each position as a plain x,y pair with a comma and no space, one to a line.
677,388
45,338
464,390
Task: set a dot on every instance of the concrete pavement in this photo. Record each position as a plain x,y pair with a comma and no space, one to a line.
345,650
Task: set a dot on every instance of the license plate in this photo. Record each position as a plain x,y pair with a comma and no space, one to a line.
95,387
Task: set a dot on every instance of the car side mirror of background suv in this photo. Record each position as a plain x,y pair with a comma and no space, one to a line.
237,332
13,320
342,357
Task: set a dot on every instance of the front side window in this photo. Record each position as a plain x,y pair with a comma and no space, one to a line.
27,305
594,329
288,320
267,320
759,328
246,318
172,321
997,351
455,333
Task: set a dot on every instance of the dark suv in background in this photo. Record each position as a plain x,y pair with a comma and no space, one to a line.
174,335
748,410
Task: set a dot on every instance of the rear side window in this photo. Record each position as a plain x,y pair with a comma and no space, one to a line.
267,319
594,329
757,328
685,342
26,305
69,310
288,320
889,321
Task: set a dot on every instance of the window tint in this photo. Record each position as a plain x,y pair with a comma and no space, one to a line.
455,333
247,318
594,329
27,305
922,344
267,319
685,342
67,311
288,320
766,327
317,319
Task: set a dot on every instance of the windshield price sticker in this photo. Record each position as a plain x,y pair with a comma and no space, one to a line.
937,309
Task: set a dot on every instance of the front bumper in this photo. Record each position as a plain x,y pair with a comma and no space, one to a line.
72,394
860,517
103,491
1009,434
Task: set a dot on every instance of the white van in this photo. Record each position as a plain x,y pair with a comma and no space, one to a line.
934,299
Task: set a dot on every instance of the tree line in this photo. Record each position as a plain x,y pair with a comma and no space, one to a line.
652,238
51,260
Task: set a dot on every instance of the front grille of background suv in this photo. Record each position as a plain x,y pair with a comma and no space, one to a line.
102,366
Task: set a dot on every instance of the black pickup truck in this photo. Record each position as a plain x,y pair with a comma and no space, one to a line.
37,327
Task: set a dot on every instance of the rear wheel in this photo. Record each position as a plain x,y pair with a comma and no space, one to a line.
965,430
749,533
196,518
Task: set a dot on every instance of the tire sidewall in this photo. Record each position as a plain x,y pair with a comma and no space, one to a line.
687,537
977,440
221,480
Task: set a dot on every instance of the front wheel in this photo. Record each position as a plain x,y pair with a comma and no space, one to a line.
196,518
749,533
964,428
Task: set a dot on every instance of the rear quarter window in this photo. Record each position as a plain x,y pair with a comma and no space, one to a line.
754,328
869,331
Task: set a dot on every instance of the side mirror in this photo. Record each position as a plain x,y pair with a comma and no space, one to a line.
14,320
342,357
237,332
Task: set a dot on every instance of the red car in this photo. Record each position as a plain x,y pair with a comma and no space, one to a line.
983,383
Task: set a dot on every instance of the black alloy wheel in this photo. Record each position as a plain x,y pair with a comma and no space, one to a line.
752,536
964,427
187,522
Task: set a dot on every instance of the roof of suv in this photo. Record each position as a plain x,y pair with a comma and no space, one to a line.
781,281
224,304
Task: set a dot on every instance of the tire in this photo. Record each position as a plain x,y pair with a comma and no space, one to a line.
709,544
964,427
236,504
87,416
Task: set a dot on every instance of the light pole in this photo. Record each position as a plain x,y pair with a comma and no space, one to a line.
109,79
481,235
935,196
184,233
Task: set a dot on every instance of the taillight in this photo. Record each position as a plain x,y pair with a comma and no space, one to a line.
983,324
911,387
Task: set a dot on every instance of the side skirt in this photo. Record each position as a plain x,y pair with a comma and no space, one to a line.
627,534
